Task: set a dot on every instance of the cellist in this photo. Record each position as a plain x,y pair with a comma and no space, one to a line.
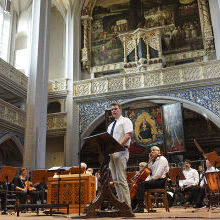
159,167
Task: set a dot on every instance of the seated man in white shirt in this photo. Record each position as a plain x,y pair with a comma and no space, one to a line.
191,181
199,192
159,167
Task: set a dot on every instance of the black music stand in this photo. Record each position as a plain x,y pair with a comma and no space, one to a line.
176,174
106,145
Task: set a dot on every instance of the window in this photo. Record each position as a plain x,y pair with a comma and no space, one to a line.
4,34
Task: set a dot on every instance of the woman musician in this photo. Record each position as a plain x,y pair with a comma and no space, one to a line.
24,187
159,168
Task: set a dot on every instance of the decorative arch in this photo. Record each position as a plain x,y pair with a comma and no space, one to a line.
159,100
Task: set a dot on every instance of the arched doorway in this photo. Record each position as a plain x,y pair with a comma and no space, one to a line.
10,154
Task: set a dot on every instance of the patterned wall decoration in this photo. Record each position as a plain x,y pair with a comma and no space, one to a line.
206,96
180,25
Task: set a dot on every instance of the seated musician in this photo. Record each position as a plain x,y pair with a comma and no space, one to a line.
23,187
142,165
187,185
3,188
199,192
159,167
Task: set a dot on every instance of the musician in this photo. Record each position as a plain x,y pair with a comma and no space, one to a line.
190,182
142,165
159,168
199,192
121,129
23,187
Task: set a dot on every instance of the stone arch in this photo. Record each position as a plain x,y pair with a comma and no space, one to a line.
158,100
10,150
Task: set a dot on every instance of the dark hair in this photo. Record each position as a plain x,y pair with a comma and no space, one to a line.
188,161
115,103
21,170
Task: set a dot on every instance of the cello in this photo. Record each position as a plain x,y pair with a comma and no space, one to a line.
141,175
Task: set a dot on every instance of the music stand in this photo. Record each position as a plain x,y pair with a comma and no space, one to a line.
74,170
106,145
176,174
7,174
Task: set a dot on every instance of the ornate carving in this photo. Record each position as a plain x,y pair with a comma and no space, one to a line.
134,81
99,86
116,84
177,74
56,121
86,50
13,74
57,85
206,26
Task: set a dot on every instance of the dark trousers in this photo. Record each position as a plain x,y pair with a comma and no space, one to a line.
191,197
144,186
22,196
3,201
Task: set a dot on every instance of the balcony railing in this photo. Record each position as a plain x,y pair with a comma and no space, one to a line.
56,121
13,74
12,114
193,72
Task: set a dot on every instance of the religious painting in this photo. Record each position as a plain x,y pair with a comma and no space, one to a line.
148,130
179,22
173,128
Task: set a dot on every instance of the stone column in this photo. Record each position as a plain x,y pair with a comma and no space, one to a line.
36,107
73,73
215,17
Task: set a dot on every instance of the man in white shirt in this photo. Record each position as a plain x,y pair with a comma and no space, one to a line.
191,181
199,192
121,129
159,167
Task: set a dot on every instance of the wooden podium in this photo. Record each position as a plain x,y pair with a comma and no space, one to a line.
69,191
106,145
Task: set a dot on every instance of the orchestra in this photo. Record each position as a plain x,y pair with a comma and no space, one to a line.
151,174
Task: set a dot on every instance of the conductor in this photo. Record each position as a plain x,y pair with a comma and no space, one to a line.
121,129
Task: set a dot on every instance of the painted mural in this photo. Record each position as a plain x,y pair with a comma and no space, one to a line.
148,129
173,128
180,24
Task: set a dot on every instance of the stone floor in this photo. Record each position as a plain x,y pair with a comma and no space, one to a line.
175,213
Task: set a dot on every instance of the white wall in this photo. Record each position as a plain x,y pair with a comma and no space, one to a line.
57,49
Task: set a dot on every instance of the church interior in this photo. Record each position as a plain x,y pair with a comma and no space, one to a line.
63,62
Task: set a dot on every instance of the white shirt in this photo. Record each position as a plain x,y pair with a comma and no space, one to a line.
210,170
122,127
192,178
159,168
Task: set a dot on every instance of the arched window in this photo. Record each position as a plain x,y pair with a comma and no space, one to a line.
4,34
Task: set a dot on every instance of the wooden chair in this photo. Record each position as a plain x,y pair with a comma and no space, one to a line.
154,195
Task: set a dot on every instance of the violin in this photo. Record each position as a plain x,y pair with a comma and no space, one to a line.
28,186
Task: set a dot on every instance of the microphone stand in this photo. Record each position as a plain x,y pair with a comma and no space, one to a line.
79,159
